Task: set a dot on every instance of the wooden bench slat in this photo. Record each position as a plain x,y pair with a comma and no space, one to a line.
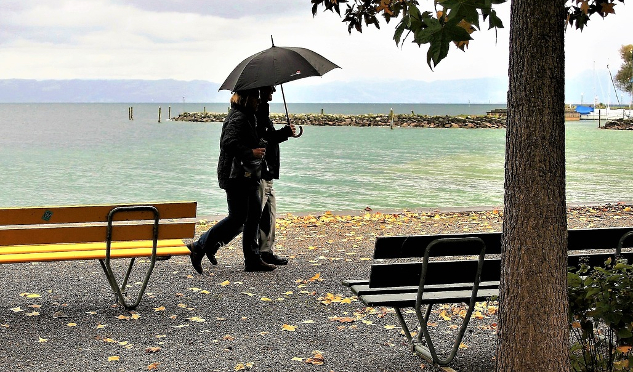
92,213
391,247
93,233
365,289
44,248
408,299
92,254
439,272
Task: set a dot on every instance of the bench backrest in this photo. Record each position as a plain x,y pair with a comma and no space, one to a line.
83,224
458,263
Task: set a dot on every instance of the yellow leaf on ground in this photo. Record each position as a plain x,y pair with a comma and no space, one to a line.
297,359
72,324
160,308
248,294
444,315
153,366
288,327
196,319
265,299
225,283
43,340
113,358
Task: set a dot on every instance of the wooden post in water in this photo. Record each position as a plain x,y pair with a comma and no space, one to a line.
204,110
169,113
391,117
599,118
159,111
321,111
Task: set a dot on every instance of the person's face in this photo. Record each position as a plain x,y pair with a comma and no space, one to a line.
252,102
266,94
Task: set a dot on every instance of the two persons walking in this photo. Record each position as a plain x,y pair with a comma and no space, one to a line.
247,165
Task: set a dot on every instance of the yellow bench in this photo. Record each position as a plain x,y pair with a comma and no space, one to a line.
102,232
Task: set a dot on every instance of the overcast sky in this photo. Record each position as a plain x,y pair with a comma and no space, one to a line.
205,39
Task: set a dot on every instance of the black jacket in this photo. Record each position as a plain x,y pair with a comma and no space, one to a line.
267,131
237,141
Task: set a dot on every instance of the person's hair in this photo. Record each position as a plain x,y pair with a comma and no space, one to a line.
240,97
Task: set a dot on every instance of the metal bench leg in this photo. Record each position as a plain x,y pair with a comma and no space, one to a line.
428,352
105,264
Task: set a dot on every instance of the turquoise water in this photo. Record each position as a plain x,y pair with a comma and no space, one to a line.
53,154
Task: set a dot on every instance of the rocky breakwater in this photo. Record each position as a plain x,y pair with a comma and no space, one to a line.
365,120
619,124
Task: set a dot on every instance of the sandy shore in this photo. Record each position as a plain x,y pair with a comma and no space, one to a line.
61,316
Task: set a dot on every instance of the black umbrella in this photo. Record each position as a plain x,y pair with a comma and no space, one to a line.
275,66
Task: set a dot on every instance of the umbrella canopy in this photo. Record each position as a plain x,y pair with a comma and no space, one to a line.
276,65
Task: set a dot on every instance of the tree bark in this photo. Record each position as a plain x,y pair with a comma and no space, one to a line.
533,330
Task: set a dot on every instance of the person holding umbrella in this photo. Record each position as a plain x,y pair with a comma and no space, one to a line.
239,172
270,171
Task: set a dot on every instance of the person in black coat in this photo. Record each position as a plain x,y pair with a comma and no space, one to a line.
270,171
239,172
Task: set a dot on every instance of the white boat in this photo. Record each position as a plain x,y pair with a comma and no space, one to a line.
608,114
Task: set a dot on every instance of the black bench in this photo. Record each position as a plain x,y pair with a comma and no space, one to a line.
457,268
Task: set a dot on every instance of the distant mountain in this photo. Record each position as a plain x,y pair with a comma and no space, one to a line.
107,91
484,90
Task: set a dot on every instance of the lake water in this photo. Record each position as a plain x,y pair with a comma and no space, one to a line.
60,154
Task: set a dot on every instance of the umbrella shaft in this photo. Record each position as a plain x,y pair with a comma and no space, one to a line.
285,106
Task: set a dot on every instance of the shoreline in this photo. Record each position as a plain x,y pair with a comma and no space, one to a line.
419,211
388,120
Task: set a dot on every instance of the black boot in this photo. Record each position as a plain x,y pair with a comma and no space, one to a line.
211,254
196,256
273,259
256,264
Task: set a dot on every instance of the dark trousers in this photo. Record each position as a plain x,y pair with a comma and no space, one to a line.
244,214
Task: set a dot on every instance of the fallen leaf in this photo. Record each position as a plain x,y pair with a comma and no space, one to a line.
43,339
113,358
317,358
33,313
225,283
153,366
71,324
265,299
288,327
196,319
160,308
153,349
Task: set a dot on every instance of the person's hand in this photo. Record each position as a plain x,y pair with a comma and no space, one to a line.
293,129
259,152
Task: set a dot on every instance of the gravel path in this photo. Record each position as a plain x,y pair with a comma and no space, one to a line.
61,316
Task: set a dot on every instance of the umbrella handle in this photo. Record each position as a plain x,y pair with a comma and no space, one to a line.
300,132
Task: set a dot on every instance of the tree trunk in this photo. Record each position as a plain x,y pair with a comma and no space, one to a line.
533,330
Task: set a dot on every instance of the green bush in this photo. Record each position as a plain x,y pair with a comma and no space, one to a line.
601,317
